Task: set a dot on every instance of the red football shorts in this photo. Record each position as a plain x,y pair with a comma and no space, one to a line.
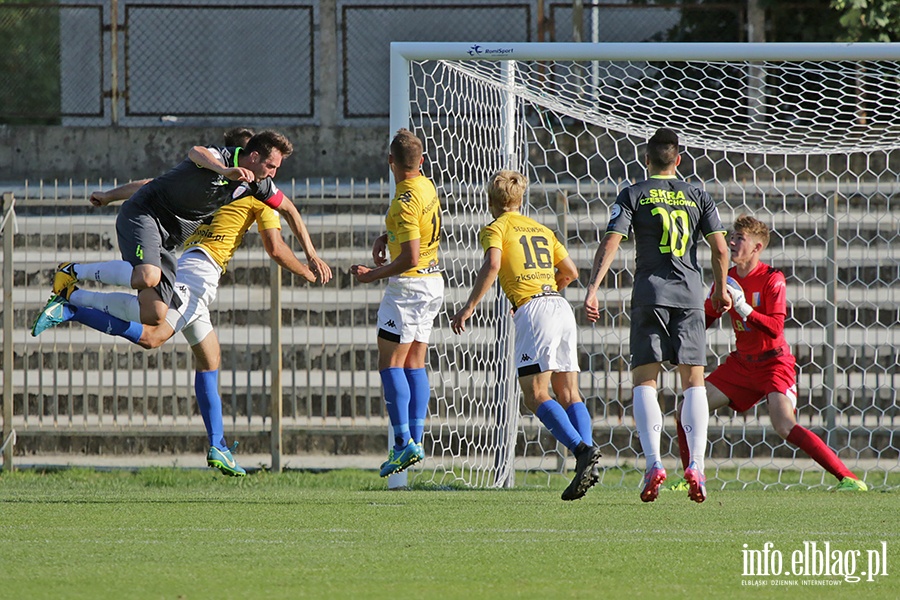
746,383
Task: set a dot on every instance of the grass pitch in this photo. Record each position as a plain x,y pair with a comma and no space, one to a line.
185,534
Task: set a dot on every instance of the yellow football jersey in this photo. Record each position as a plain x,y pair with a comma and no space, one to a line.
415,213
221,237
529,253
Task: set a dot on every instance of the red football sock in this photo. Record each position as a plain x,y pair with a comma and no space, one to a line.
683,449
810,443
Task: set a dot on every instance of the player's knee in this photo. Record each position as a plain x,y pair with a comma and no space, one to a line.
782,428
145,277
567,397
152,316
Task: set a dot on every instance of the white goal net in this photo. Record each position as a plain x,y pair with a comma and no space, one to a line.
804,137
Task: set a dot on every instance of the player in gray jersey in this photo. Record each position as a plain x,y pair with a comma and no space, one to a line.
667,218
160,214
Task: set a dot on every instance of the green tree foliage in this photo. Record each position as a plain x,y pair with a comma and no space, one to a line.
723,21
29,64
869,20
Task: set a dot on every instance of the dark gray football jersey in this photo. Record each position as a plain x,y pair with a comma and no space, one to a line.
187,194
668,218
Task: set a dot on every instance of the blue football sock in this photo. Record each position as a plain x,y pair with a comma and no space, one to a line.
555,419
106,323
396,398
581,421
206,386
419,395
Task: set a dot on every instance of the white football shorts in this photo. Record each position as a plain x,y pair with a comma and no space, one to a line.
546,337
408,309
196,282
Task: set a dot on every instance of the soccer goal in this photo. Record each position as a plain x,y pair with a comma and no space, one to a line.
803,136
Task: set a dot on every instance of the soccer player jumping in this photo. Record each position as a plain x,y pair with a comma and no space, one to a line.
762,366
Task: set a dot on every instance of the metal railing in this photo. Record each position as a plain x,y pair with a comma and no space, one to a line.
76,382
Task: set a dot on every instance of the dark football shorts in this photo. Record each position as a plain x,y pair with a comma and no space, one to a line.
140,241
660,334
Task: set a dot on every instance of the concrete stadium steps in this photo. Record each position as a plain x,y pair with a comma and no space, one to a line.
317,305
330,384
855,440
335,393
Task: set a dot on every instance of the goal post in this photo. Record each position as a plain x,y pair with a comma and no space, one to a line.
803,136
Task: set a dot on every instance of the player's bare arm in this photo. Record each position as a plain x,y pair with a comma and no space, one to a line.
566,273
123,192
606,252
379,250
721,256
483,282
202,157
319,267
282,254
406,260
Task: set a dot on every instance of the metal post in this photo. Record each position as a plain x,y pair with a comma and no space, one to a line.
277,400
756,73
400,117
506,392
562,226
577,19
829,350
8,233
114,60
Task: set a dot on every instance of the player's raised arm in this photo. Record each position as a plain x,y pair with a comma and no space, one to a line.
204,158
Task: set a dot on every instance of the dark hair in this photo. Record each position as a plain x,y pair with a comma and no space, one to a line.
266,141
238,136
407,150
662,149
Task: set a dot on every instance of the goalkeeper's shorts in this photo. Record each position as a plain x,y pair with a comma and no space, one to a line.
745,383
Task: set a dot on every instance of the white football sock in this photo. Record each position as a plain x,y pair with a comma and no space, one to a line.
113,272
695,421
648,418
118,304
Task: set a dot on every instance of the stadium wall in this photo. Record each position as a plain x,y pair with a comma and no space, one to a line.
63,153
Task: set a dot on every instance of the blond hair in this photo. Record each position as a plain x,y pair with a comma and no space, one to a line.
754,227
506,190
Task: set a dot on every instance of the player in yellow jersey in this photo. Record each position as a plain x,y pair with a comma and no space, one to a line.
533,267
414,295
206,256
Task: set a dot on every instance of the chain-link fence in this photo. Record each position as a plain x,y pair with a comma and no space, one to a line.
214,62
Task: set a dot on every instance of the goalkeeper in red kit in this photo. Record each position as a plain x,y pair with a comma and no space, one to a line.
762,366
